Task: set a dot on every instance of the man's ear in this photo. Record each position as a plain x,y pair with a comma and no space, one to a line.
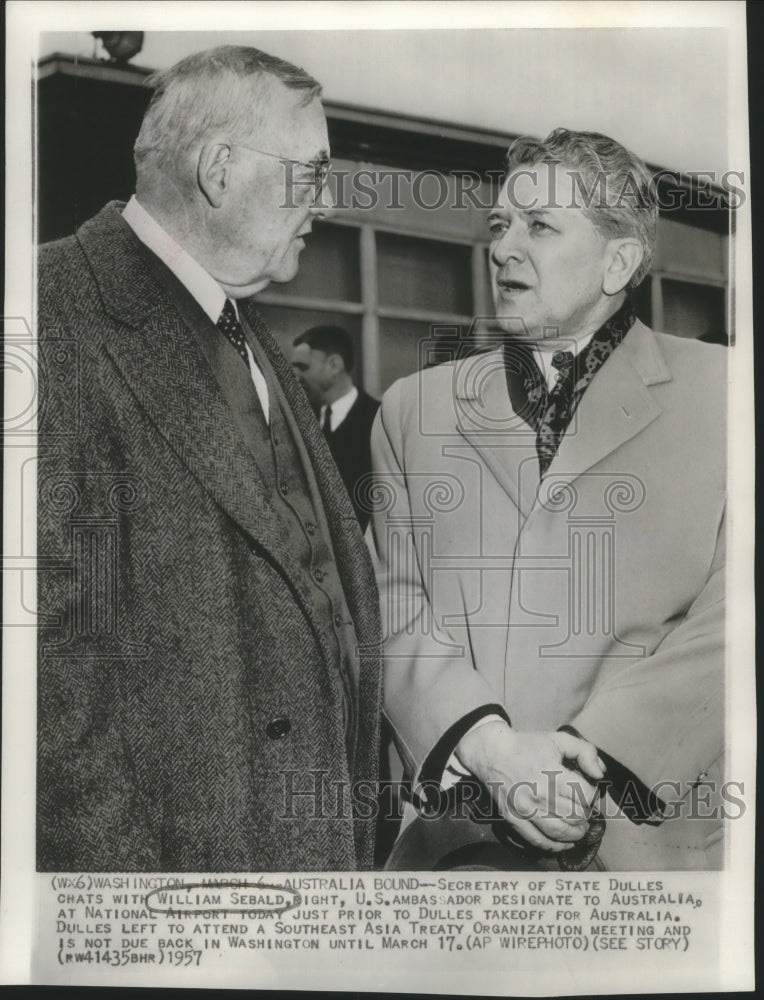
213,171
623,260
335,363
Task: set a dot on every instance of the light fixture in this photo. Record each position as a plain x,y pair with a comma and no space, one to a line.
121,45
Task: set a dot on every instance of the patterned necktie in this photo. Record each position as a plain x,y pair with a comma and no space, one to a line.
556,416
563,362
525,382
327,428
229,325
549,413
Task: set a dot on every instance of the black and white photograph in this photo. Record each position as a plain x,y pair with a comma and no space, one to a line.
375,538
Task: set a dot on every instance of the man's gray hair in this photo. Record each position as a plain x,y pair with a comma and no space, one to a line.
224,88
612,185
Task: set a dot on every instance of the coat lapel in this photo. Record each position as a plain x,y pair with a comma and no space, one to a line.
484,418
616,406
163,368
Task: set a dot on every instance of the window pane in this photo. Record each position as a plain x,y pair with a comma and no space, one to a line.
407,345
643,303
691,310
330,266
488,287
424,274
399,341
285,324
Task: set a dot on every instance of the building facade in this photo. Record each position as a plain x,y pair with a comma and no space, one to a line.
403,263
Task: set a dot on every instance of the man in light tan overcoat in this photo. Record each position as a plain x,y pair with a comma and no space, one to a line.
550,545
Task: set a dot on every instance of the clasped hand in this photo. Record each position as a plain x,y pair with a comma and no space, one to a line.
530,777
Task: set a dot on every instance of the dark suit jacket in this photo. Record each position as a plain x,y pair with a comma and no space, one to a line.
186,694
350,446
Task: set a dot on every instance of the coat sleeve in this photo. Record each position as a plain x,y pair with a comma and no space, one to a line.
662,717
90,813
430,682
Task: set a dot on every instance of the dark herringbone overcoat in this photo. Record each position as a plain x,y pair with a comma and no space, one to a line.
190,710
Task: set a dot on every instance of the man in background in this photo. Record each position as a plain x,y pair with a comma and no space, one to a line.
208,653
323,359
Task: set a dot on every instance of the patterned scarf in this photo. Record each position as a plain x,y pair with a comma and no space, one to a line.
549,413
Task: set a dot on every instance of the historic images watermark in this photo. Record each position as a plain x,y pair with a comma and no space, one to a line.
371,188
313,794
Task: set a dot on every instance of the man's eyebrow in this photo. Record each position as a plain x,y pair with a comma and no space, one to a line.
499,213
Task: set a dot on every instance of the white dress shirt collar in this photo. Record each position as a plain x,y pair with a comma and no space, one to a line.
192,275
189,272
340,409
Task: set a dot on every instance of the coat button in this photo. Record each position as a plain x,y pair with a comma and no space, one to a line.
338,621
277,729
284,487
318,575
310,528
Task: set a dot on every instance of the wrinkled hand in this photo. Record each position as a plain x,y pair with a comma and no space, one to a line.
539,796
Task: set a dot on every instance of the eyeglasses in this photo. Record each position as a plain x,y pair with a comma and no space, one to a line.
320,168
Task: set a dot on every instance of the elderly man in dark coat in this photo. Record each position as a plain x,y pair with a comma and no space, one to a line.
208,657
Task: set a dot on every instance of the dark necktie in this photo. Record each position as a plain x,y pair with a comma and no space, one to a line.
229,325
327,428
557,415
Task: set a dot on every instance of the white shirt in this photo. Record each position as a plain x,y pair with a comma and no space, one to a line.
192,276
340,409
